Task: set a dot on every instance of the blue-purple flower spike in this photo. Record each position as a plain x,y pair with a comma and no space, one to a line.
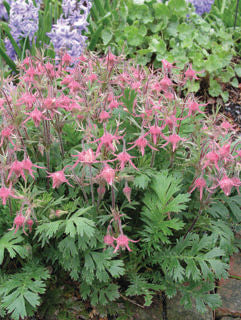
23,22
202,6
66,33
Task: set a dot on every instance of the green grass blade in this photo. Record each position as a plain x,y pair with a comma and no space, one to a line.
10,37
9,61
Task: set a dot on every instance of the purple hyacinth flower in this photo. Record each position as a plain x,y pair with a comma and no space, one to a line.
202,6
66,34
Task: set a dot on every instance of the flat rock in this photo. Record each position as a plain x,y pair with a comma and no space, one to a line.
230,318
235,265
175,311
230,292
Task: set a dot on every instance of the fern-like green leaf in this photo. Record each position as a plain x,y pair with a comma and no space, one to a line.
13,244
22,290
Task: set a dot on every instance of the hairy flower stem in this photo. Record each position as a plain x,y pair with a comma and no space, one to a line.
47,152
10,207
113,197
153,155
91,187
61,144
203,204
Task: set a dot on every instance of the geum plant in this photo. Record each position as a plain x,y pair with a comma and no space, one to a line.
112,178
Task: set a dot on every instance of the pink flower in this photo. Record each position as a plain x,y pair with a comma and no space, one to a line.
236,183
199,183
108,174
104,115
123,242
6,134
226,184
124,158
58,178
224,152
141,143
66,59
155,132
193,107
5,193
36,116
17,168
30,224
165,84
85,156
27,165
167,66
127,192
173,139
107,140
212,158
191,74
109,240
19,222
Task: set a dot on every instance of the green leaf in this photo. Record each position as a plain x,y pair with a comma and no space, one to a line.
13,244
9,61
157,45
238,70
106,36
214,88
135,35
21,290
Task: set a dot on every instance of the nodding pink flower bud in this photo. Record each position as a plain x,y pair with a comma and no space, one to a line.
236,183
141,143
226,184
27,165
6,134
199,183
190,73
92,77
109,240
165,84
167,66
18,222
58,178
104,115
16,168
155,132
127,192
212,159
66,59
36,116
173,139
5,193
101,190
226,126
124,158
108,174
123,242
193,107
30,224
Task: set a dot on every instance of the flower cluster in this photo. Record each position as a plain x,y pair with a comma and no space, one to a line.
66,34
202,6
138,115
23,22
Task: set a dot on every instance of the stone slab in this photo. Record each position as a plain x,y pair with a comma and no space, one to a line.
235,265
175,311
230,292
